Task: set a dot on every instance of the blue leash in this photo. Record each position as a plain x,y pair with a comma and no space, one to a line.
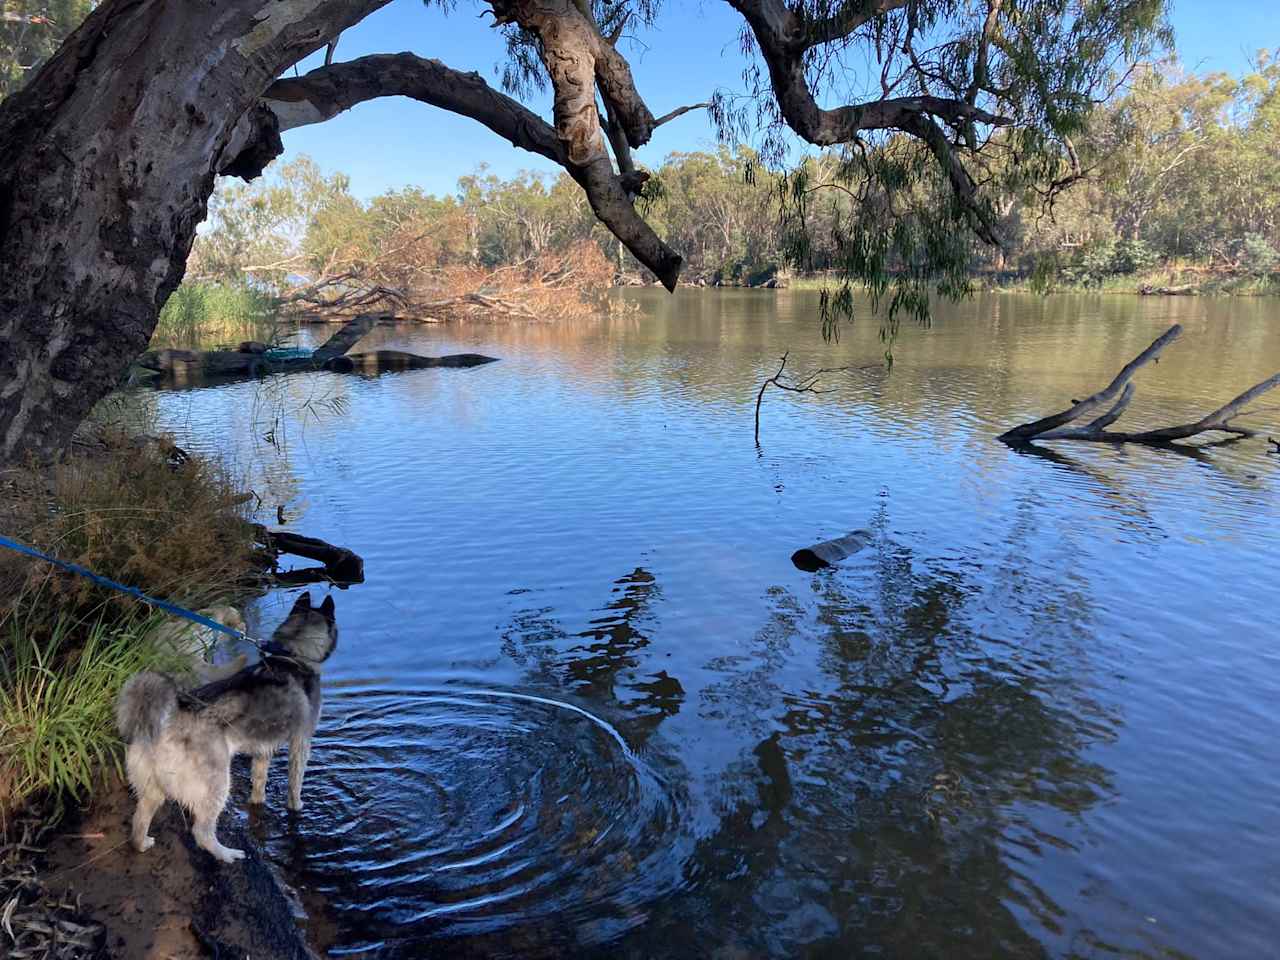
164,605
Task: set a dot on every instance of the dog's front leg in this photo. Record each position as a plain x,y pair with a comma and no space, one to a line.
299,752
261,761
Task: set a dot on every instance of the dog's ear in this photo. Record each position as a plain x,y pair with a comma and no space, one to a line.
302,604
326,608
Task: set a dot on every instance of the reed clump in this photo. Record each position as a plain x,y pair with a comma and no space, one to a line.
202,314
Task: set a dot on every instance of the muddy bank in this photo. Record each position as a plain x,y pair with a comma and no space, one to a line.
174,901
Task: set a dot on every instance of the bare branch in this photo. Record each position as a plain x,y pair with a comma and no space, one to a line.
680,112
1056,428
807,385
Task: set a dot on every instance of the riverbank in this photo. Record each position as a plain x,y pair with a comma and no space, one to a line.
1154,283
147,514
174,901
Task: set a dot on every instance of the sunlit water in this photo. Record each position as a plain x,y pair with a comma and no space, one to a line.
584,704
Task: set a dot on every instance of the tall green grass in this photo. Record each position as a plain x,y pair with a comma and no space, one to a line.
210,314
129,510
58,684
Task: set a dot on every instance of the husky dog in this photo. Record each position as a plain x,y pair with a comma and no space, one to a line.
181,744
195,642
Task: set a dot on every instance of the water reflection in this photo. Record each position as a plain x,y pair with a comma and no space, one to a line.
604,663
897,794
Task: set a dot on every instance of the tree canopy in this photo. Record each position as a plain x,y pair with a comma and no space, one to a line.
936,110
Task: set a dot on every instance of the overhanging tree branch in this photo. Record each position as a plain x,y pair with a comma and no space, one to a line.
786,35
327,91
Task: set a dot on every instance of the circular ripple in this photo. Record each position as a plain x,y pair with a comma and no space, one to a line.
480,814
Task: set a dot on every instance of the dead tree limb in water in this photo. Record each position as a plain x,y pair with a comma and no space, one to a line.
1119,394
807,384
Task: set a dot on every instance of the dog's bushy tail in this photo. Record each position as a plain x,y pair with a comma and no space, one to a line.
144,706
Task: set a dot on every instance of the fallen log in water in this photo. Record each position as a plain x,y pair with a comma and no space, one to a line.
830,552
379,360
341,566
1119,394
254,360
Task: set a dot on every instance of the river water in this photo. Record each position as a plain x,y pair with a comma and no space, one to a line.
584,704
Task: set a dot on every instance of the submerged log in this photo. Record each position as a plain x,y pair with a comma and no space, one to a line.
830,552
379,360
341,566
1119,393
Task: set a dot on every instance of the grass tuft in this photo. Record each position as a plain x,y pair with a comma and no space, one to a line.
58,686
137,511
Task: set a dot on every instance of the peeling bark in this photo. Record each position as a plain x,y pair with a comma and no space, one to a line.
107,161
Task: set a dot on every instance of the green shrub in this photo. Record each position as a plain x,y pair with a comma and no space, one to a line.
58,683
1258,257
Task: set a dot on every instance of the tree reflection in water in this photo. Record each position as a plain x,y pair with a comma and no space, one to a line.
900,800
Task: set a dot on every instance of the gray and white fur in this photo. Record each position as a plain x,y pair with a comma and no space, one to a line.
180,744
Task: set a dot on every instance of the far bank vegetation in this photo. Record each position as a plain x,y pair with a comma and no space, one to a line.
1175,188
298,246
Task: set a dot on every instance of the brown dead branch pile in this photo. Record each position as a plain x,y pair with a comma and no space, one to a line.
551,287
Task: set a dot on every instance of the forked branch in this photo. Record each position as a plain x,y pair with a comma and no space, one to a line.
807,384
1121,391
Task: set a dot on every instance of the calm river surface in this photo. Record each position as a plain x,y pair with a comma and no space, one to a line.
584,704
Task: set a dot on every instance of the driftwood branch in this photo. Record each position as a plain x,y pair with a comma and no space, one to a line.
1119,393
807,384
341,566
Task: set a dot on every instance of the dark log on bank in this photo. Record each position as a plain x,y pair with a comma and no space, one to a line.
341,566
1185,290
1119,394
317,319
830,552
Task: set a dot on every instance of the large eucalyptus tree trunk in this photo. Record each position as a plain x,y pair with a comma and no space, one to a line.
107,161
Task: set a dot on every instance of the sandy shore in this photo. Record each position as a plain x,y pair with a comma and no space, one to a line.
175,902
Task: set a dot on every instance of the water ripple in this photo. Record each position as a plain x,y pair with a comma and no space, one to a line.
479,811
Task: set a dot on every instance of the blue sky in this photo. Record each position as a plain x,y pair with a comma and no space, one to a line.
693,50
